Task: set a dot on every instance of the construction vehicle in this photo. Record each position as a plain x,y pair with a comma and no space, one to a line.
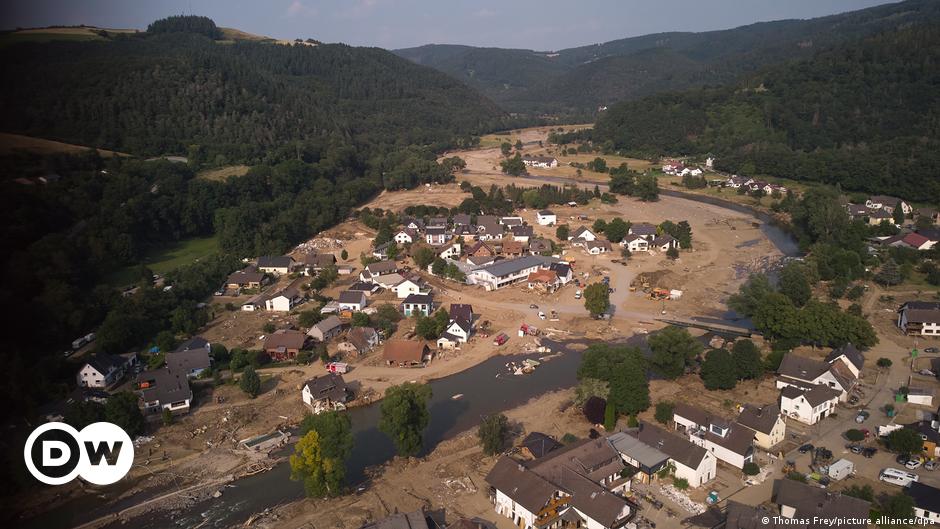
659,294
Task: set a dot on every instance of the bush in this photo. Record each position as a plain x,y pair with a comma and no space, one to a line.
610,417
250,382
751,469
855,292
664,411
680,483
167,417
632,422
854,435
884,362
568,438
493,432
268,328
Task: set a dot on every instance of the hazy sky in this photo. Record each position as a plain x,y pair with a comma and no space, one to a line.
535,24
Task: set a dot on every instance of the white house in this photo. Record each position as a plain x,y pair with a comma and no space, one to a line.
766,422
371,271
852,358
164,389
693,463
805,373
276,265
352,300
406,236
635,243
388,281
546,218
581,236
597,247
451,251
417,303
101,371
286,299
436,236
922,396
459,329
508,271
808,406
408,287
563,271
727,440
664,242
643,229
926,502
325,393
888,204
326,329
920,318
544,162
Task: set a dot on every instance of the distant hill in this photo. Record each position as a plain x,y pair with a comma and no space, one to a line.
186,85
578,80
864,115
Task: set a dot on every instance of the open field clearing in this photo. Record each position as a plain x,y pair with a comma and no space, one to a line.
11,143
167,258
223,173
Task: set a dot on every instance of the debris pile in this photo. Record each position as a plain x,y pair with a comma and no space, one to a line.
681,499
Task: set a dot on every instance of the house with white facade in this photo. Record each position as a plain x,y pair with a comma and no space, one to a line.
597,247
809,405
635,243
275,265
727,440
581,235
325,393
417,304
285,299
326,329
409,286
436,236
164,389
388,281
693,463
664,242
643,229
887,204
101,371
805,373
920,318
457,332
507,272
451,251
371,271
352,300
926,502
801,502
563,271
578,485
545,218
406,236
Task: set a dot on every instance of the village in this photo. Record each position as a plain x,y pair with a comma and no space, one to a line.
390,297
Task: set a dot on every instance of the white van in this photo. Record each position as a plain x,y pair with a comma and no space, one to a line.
898,477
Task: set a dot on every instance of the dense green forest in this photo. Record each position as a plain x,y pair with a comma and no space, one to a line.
174,90
324,129
864,116
576,81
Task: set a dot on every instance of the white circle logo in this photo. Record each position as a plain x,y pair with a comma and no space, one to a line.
101,453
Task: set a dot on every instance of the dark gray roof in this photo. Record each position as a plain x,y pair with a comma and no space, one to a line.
811,502
512,266
562,269
461,311
677,448
643,228
545,212
382,267
330,386
411,520
760,418
164,386
328,324
423,299
278,261
801,367
925,496
489,224
523,485
436,230
539,444
820,394
646,455
522,231
663,239
361,286
740,516
196,342
360,337
462,219
105,363
851,352
351,296
187,361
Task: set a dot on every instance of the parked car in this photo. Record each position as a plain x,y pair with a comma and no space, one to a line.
577,295
856,449
541,315
927,373
533,306
806,448
862,416
931,465
932,350
902,459
912,464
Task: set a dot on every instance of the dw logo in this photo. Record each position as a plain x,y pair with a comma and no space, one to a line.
102,453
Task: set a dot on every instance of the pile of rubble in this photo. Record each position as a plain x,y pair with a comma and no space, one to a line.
318,243
681,499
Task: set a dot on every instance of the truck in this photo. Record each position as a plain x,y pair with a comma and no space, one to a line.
337,367
577,294
841,469
500,339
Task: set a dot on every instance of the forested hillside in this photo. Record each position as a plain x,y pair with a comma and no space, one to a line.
175,90
866,116
576,81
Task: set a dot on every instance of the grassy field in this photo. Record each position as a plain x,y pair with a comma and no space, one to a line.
494,140
53,34
223,173
167,258
10,143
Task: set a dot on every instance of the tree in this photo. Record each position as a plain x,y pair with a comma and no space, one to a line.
513,166
122,410
439,266
344,254
889,274
268,327
898,506
493,431
590,387
864,492
599,226
335,431
166,341
518,145
610,416
597,298
322,476
672,253
751,469
854,435
167,417
250,382
664,411
562,232
750,296
647,188
505,148
905,441
718,370
359,319
673,349
794,283
884,362
898,214
405,416
309,318
747,360
616,229
629,387
81,413
600,360
423,256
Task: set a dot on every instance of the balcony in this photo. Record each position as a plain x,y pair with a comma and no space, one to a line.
551,512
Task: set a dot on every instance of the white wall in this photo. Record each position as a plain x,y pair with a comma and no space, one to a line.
505,506
705,472
279,303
